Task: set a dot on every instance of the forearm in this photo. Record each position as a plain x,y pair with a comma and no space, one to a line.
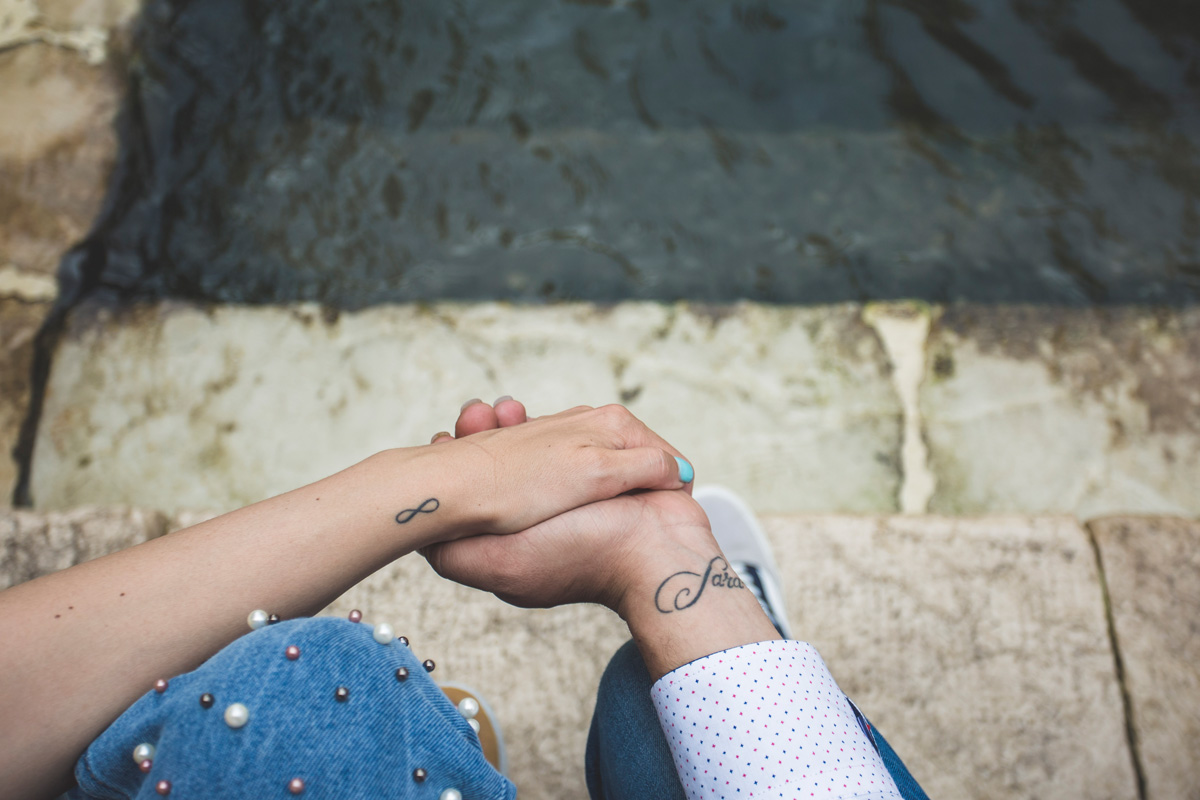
686,602
84,643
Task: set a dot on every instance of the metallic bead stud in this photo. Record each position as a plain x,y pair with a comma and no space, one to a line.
402,674
257,619
163,787
144,752
160,685
468,707
206,700
450,794
419,775
356,616
384,633
342,694
236,715
296,785
146,765
292,652
403,640
428,664
271,620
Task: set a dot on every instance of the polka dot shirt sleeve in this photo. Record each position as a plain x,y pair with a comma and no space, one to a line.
767,720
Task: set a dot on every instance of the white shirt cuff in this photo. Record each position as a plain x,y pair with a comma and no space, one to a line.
766,720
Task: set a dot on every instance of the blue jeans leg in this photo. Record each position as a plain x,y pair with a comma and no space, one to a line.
349,717
909,788
627,754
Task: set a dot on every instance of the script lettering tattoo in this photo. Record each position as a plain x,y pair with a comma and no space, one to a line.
407,514
718,573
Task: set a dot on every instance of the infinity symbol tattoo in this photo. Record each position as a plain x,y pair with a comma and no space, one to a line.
407,514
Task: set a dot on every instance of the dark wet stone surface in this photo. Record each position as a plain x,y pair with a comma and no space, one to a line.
800,152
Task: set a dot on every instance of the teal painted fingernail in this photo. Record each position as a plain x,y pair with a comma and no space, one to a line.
470,402
686,473
501,399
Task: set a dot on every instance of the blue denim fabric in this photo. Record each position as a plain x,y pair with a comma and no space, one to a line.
366,747
627,755
909,789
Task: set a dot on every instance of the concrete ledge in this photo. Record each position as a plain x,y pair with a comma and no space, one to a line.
845,408
217,408
33,544
1152,567
978,646
981,647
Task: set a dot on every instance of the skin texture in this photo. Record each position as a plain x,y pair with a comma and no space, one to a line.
163,607
617,553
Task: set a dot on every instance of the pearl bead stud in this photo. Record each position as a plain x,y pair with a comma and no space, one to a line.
296,785
143,752
356,616
160,685
257,619
292,652
450,794
146,765
468,707
163,787
236,715
384,633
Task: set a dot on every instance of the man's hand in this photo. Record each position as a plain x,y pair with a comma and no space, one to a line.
512,478
594,554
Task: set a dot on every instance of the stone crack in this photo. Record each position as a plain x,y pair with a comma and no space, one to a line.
1131,736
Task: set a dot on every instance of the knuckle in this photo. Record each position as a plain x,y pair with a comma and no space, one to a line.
663,463
615,416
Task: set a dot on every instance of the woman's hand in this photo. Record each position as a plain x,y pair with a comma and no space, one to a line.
505,480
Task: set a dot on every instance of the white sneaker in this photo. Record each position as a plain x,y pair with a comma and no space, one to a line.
744,544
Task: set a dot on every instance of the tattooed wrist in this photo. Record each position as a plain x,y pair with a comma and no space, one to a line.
683,589
428,507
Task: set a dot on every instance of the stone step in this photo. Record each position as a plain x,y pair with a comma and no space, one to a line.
981,647
846,408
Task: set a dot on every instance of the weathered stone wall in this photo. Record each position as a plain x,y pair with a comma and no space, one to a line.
60,87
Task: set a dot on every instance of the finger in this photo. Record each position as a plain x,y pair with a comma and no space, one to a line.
441,436
636,434
509,412
646,468
475,416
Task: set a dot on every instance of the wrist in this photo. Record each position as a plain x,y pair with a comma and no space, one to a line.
427,494
688,603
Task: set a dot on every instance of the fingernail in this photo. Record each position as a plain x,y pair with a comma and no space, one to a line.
501,399
470,402
439,435
686,473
